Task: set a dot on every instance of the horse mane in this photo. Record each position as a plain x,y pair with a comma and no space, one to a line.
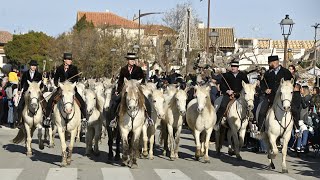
123,102
208,104
277,96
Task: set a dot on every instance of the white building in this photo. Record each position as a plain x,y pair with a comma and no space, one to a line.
5,37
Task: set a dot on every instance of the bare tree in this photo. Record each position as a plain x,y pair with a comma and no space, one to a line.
175,16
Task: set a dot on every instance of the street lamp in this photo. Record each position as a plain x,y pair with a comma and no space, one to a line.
286,25
214,36
113,52
167,47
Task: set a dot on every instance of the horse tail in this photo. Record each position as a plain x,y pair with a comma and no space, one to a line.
21,136
261,136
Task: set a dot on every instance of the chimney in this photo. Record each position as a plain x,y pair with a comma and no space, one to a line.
201,25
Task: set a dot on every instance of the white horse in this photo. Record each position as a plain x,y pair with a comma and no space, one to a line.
131,119
67,118
157,102
279,123
175,110
32,117
238,119
94,122
201,117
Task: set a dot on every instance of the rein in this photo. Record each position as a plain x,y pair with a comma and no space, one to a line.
35,112
247,112
63,105
285,118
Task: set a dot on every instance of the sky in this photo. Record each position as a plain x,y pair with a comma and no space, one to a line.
250,18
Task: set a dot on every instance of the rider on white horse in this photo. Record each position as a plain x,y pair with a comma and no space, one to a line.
32,75
129,71
231,86
69,72
270,84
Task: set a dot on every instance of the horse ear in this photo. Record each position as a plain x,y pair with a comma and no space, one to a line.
140,81
125,80
282,80
74,84
29,82
292,81
39,83
60,84
208,88
243,83
196,87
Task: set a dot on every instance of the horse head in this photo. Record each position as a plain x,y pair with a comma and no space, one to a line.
286,91
203,96
67,95
131,93
108,96
181,101
248,93
91,101
33,94
158,103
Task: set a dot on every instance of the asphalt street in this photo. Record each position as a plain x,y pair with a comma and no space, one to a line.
45,164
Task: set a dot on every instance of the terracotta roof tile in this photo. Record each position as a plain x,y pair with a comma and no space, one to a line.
107,18
226,37
154,29
5,37
279,44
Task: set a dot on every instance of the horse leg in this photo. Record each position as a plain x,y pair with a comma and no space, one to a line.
110,143
171,137
145,141
97,137
218,149
135,148
286,139
78,134
118,139
165,137
230,144
206,145
29,139
152,142
236,143
202,141
125,146
71,144
198,145
61,133
242,134
40,133
273,146
89,138
177,141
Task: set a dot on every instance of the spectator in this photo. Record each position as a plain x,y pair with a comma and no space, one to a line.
2,105
294,73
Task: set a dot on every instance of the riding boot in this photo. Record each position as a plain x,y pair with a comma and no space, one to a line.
47,119
221,111
148,111
19,120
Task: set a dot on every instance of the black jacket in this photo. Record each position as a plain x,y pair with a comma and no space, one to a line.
61,75
235,83
273,81
136,73
26,76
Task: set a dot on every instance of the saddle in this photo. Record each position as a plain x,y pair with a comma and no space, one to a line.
229,106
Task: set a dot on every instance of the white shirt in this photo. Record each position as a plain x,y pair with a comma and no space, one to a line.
31,74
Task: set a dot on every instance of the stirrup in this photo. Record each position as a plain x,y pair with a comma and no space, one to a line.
113,123
150,121
216,127
84,123
46,122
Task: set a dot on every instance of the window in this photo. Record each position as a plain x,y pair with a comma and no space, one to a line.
5,60
245,43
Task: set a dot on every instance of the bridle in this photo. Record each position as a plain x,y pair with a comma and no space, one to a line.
64,105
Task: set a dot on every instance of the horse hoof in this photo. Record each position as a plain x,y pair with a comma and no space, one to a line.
207,161
271,166
201,154
284,170
231,153
41,146
197,158
164,152
145,154
29,154
134,166
151,158
68,161
96,153
117,157
239,158
51,146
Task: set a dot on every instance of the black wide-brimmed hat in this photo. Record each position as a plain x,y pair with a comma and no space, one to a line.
234,63
131,55
67,55
33,63
273,58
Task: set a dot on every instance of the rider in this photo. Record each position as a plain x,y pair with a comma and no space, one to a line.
69,72
32,75
129,71
231,86
270,84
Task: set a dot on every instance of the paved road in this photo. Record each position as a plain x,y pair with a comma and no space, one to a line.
45,165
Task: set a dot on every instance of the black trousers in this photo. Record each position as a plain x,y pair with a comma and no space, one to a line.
58,93
263,112
2,111
117,101
223,107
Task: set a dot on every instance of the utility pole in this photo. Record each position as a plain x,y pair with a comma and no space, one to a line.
208,31
188,41
316,26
